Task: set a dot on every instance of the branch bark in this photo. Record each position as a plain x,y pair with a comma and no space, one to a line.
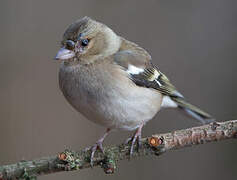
154,145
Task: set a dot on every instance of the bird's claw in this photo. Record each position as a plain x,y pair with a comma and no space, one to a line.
94,148
97,145
136,138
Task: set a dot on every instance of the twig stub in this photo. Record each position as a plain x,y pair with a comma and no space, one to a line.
155,141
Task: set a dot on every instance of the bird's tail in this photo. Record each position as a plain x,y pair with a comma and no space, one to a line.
193,111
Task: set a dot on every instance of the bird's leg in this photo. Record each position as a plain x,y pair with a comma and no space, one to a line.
136,138
98,145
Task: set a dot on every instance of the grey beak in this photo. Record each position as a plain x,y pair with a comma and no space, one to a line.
64,54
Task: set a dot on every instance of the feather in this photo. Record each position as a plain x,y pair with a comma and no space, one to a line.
143,73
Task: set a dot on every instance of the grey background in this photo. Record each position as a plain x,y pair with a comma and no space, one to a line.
194,42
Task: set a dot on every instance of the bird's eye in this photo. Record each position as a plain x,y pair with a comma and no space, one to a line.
84,42
70,44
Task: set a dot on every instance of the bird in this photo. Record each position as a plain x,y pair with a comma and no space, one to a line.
113,82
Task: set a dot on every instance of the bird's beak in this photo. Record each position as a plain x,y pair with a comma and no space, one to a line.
64,54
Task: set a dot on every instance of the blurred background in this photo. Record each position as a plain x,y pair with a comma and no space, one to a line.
194,42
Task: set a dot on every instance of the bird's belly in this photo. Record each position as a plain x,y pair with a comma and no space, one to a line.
117,112
117,106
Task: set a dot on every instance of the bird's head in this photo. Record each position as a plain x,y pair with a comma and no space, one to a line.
86,39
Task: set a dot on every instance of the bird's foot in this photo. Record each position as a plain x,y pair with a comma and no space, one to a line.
97,145
135,139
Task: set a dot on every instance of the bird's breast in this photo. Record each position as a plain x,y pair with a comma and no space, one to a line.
107,96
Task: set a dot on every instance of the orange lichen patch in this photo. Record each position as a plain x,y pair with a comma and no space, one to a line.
155,141
62,156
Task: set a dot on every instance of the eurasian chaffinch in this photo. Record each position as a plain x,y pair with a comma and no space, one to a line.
112,82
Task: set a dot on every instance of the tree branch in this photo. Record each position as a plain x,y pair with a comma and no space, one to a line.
154,145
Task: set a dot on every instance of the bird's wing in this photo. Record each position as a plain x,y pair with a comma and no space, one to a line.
143,73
